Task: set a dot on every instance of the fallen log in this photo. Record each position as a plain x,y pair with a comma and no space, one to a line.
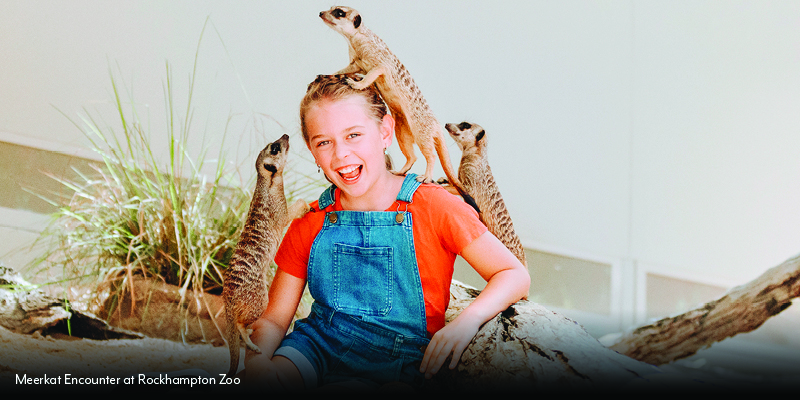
26,309
742,309
528,347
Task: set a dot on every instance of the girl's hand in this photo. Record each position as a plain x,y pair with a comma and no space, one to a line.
507,281
269,330
259,369
276,373
452,339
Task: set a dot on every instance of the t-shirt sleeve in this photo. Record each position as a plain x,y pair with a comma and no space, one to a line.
292,255
457,222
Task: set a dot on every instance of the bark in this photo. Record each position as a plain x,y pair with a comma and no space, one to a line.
743,309
528,347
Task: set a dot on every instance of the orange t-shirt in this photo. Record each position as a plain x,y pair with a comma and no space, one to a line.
443,225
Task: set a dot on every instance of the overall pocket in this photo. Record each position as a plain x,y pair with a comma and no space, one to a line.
362,279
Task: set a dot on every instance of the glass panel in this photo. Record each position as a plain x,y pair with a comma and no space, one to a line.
669,296
558,281
24,168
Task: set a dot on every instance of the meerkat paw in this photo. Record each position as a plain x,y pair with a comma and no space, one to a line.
442,182
250,345
298,209
356,85
424,179
245,333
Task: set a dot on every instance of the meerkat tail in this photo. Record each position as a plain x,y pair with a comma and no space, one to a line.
233,346
452,177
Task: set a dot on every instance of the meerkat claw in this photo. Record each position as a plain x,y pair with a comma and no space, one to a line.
356,85
424,179
250,345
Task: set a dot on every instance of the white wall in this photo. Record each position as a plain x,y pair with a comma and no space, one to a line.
716,133
654,133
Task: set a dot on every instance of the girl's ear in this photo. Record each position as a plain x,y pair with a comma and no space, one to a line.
387,130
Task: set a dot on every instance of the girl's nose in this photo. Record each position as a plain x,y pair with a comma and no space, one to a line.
341,150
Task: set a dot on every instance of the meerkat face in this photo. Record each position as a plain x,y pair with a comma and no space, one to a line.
344,20
467,135
272,159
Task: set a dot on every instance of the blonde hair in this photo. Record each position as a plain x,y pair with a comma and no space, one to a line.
335,87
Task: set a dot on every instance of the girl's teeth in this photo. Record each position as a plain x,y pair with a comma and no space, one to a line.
350,173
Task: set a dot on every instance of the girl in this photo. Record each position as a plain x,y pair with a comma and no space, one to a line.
377,252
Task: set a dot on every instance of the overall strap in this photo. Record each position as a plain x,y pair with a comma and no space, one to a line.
410,185
326,198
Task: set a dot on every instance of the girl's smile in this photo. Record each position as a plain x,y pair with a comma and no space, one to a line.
350,173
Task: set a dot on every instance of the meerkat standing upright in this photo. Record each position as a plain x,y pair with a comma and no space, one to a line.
479,182
414,120
245,284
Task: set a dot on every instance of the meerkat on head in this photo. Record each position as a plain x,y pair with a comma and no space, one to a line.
415,122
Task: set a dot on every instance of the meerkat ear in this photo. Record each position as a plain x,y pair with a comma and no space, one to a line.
480,135
357,21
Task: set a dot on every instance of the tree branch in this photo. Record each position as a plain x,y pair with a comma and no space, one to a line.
743,309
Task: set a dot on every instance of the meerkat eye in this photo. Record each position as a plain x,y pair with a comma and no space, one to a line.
275,148
338,13
464,125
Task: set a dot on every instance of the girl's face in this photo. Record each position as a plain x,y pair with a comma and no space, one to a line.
348,144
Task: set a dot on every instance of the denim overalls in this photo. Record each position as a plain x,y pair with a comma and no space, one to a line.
367,322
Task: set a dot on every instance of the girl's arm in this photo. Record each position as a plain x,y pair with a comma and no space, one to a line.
268,331
507,282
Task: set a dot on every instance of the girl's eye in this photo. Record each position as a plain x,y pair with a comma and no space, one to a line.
322,143
353,135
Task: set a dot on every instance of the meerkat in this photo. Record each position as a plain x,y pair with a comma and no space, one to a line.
246,279
414,119
479,182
